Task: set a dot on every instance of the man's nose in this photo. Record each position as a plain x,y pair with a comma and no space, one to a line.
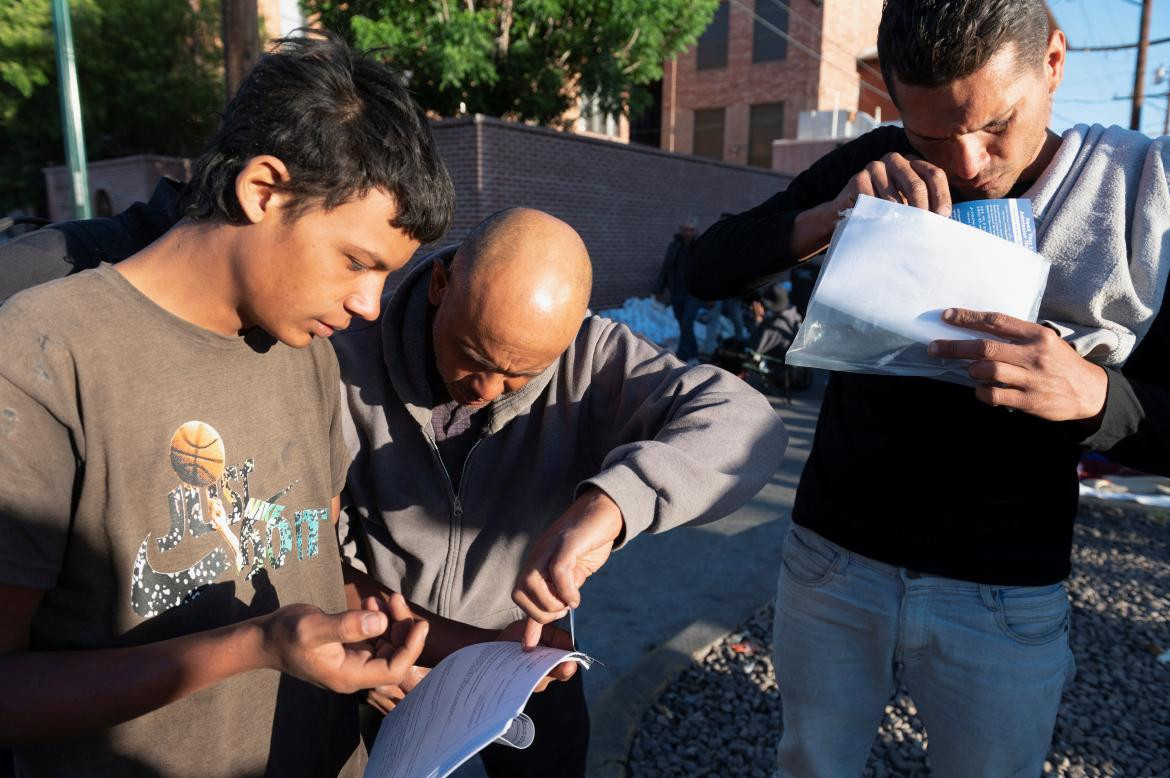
367,301
488,386
968,157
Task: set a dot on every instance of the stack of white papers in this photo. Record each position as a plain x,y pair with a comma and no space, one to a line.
471,699
893,269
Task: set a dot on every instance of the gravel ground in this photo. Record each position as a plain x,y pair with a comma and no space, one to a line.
722,717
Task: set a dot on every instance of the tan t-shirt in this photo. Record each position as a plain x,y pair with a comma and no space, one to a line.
158,480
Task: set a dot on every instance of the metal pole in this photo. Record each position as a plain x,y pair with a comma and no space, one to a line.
1139,77
71,109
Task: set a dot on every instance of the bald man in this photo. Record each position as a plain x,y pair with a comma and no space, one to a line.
505,441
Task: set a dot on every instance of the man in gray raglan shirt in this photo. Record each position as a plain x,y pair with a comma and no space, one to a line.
506,441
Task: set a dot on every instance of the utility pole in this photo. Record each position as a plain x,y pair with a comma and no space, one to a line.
71,108
241,41
1135,118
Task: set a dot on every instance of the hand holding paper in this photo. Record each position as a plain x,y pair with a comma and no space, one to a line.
891,271
894,177
1034,371
550,636
574,547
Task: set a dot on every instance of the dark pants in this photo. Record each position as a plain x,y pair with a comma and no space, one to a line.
560,745
685,310
562,736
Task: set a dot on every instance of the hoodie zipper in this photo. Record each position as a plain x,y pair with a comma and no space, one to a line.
455,535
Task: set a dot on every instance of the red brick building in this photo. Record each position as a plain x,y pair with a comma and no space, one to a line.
759,65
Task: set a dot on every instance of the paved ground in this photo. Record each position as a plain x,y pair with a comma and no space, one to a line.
697,583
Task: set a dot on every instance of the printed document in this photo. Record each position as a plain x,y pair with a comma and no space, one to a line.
897,268
474,697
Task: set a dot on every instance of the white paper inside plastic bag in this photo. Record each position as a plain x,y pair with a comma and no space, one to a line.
890,272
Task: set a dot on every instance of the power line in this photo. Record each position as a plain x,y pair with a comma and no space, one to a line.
806,49
1119,47
1088,100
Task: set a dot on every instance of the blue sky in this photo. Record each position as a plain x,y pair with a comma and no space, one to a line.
1092,79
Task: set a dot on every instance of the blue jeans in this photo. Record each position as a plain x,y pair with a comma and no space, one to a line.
733,310
985,665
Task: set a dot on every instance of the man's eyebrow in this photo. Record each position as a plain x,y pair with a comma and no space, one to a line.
369,256
993,123
473,354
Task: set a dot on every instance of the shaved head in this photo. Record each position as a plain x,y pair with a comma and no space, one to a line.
525,263
510,304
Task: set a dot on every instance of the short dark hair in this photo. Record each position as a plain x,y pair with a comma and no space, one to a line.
930,43
342,124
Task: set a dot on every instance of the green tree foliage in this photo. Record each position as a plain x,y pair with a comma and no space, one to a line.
150,74
522,59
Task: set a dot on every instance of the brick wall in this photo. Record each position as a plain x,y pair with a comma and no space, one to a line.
124,180
849,28
869,100
625,200
793,157
793,81
837,30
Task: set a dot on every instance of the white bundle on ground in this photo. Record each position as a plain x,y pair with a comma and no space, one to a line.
654,320
647,317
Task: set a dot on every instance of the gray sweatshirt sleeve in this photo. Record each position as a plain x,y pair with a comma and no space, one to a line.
676,444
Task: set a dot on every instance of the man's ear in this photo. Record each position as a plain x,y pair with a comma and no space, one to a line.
440,282
1054,59
257,187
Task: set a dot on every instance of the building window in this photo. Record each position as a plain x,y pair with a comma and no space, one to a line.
592,119
767,44
767,124
709,133
646,125
713,42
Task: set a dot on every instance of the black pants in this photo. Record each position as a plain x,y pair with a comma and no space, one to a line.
562,736
559,748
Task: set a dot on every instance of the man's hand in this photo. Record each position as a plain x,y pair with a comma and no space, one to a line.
573,548
335,651
1036,371
549,636
385,698
900,179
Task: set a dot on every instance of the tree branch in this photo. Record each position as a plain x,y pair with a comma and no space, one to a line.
630,43
506,19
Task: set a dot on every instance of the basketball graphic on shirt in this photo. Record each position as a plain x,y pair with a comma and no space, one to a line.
197,454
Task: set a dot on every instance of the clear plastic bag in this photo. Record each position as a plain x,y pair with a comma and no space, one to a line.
890,272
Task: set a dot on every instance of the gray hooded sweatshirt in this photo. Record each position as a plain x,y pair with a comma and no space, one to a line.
670,444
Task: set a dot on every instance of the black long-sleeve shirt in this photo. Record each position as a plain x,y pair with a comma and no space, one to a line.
917,472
